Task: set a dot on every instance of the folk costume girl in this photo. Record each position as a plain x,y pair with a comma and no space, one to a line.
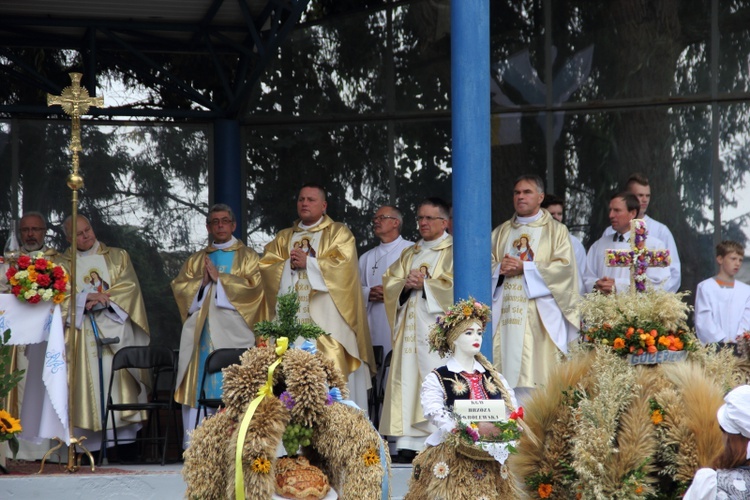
448,467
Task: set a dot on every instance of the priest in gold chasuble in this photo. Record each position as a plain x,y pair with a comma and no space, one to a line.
535,286
417,289
33,230
317,258
107,288
220,297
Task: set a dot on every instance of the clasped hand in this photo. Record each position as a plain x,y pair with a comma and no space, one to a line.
93,299
298,259
210,272
511,266
415,280
376,294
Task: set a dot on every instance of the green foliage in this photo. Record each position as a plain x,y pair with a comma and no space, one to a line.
8,379
286,324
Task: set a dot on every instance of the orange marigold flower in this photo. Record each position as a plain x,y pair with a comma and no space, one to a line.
656,417
619,343
651,349
640,351
639,489
544,490
678,344
666,341
630,331
654,333
650,341
467,310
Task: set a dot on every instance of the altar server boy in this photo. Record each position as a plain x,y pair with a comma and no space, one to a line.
722,304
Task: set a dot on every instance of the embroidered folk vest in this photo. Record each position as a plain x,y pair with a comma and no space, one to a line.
457,386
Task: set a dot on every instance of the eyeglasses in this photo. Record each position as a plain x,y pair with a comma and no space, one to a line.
382,218
428,218
225,221
33,229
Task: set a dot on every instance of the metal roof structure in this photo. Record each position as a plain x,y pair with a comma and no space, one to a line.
238,36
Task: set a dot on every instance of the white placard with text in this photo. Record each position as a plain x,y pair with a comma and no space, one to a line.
480,410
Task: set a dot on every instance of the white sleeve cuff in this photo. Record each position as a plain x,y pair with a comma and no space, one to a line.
315,276
533,283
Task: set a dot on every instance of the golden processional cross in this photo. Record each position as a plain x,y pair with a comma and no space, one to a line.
638,258
75,101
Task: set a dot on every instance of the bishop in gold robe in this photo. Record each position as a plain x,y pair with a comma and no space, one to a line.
317,258
117,306
417,289
534,302
220,297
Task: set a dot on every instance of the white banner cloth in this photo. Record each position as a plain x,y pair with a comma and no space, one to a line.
44,413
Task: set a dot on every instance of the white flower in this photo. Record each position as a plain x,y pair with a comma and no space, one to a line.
47,294
21,275
29,294
441,470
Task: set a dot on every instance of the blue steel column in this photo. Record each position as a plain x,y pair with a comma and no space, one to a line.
470,97
228,183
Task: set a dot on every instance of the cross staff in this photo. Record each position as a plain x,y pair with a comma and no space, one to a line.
75,101
638,258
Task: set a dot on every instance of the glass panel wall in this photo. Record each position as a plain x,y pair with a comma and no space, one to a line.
582,94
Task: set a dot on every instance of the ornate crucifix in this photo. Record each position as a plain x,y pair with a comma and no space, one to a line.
638,258
75,101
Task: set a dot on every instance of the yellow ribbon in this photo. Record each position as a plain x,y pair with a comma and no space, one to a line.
267,390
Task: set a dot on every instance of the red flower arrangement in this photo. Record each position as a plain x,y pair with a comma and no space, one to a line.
37,279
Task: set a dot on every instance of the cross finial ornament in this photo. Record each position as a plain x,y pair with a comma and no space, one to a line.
638,257
75,101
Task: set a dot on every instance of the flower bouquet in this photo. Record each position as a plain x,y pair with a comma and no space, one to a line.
469,443
648,328
37,279
9,426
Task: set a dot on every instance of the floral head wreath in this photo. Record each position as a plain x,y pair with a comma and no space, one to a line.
459,317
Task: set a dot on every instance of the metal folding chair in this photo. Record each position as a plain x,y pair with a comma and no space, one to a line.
159,361
215,362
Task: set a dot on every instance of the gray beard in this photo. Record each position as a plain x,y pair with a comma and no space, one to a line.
28,250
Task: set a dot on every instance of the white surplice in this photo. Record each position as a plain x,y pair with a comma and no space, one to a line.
372,265
721,314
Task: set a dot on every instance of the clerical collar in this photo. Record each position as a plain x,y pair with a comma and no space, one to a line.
225,245
305,226
529,219
453,366
435,242
390,244
91,251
